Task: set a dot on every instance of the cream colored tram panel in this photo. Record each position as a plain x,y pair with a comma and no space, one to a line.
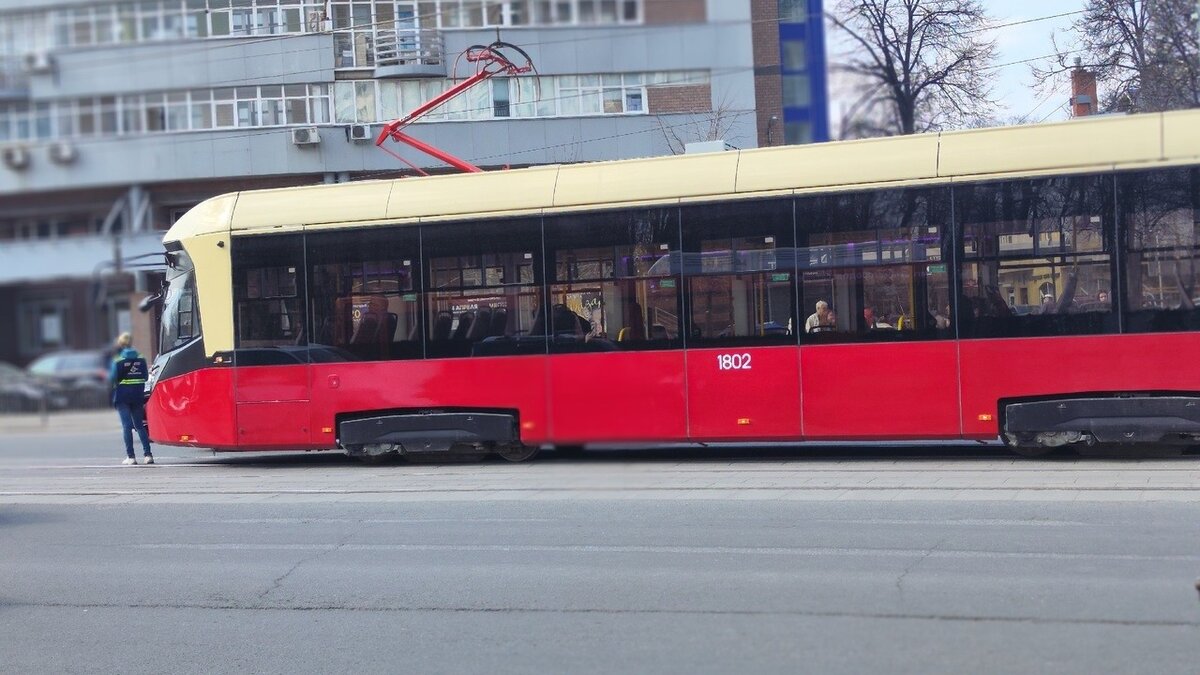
520,190
311,205
214,289
1181,134
834,165
210,216
1078,143
604,183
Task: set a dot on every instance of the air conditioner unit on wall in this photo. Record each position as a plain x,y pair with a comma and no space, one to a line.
306,136
37,63
63,153
16,157
360,132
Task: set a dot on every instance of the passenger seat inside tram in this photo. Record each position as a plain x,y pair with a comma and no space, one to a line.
442,326
464,325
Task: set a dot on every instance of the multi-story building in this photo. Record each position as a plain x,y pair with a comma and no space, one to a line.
116,116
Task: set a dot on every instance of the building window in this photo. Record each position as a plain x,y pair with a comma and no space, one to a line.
795,133
795,55
793,11
343,102
797,91
42,325
501,91
356,23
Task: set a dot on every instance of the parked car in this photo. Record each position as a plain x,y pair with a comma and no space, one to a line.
21,393
79,376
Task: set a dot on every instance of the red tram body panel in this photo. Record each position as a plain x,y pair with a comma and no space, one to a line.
860,392
994,370
882,390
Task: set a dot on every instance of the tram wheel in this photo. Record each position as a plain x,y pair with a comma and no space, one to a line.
517,452
371,455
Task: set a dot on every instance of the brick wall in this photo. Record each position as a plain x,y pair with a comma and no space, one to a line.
688,98
676,11
768,83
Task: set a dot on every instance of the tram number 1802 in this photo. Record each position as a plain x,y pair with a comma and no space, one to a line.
733,362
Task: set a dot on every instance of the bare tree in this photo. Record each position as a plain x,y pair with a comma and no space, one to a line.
1144,52
926,62
714,125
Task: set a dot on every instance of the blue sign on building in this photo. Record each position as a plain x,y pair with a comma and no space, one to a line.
803,71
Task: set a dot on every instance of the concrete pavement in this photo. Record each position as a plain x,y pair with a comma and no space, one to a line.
819,560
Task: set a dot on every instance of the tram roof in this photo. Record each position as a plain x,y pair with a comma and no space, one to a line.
1096,144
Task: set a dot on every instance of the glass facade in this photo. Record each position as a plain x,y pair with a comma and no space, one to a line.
803,71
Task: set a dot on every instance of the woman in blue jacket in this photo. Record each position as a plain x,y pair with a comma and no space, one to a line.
127,377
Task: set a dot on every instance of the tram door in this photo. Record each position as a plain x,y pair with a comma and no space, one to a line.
878,358
743,364
271,369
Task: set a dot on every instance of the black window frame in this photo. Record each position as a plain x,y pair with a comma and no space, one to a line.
740,220
584,230
467,239
853,212
376,250
269,252
987,314
1135,318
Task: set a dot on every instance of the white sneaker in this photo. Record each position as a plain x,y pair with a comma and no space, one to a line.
129,460
148,459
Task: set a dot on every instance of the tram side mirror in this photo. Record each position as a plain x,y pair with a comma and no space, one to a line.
149,302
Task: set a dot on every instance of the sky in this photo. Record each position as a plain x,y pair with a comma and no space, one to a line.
1014,86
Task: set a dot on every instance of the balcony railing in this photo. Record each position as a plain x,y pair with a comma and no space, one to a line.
408,52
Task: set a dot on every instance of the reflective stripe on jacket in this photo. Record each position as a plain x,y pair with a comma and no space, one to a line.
129,378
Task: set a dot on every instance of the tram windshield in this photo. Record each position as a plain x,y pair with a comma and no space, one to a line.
181,315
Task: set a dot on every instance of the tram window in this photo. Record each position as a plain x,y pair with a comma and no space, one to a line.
1036,257
614,280
483,289
873,266
1160,218
364,293
268,284
739,268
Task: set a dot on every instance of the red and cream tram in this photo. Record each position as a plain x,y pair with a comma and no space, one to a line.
1036,284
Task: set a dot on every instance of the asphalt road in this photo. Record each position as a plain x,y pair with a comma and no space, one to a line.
911,560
